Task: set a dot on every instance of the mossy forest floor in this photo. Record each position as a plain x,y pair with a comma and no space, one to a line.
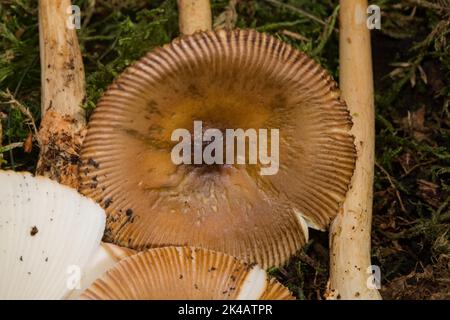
411,54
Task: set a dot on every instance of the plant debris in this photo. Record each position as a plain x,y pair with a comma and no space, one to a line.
34,231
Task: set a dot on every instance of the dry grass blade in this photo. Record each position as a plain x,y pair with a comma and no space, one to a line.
14,103
391,182
228,18
297,10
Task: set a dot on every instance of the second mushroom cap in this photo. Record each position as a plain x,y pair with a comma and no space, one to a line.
179,273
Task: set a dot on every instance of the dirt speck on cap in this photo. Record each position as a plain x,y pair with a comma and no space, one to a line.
108,203
34,231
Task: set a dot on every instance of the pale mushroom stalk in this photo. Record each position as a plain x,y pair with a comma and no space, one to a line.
195,15
350,231
63,93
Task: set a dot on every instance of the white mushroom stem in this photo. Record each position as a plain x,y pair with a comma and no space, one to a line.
63,92
350,231
194,15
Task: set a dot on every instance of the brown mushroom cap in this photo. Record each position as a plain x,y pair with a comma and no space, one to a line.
229,80
179,273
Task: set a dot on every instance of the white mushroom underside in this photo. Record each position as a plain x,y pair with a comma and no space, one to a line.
103,259
47,234
305,224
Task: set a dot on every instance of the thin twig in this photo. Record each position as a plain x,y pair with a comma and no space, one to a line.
390,179
228,18
300,12
89,12
327,31
294,35
10,147
16,91
426,4
297,10
11,100
408,172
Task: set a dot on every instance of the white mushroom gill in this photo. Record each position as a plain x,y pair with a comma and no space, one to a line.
103,259
303,223
47,234
254,285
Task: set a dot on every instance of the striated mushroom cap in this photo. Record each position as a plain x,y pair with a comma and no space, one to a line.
180,273
48,232
238,79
